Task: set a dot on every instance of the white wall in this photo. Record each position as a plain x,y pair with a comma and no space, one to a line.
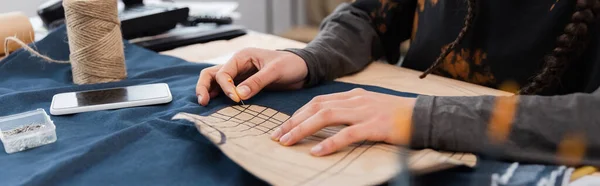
255,13
27,6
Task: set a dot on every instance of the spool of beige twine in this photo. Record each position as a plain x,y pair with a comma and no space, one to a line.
95,43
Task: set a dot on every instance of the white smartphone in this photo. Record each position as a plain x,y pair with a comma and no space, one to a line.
114,98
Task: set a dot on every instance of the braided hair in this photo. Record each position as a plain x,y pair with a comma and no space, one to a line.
446,50
569,46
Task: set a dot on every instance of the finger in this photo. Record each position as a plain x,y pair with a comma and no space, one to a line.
332,97
204,84
322,119
257,82
312,109
241,62
344,138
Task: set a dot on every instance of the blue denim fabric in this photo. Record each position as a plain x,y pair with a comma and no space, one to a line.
130,146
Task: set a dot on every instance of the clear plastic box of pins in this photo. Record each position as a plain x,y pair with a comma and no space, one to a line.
26,130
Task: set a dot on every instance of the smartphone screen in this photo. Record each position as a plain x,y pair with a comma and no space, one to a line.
108,96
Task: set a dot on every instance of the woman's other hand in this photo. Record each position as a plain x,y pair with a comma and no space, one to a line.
371,116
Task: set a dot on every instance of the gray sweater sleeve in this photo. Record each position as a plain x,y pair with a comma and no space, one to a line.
356,34
342,46
539,126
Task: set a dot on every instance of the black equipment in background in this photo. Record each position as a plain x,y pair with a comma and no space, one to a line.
183,36
131,3
155,26
52,13
147,20
137,19
195,20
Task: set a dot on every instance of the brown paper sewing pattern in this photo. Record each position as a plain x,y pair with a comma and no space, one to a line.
242,132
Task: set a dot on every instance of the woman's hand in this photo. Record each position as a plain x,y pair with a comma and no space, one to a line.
370,116
257,69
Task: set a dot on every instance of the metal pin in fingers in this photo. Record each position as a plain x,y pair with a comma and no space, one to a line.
241,101
236,93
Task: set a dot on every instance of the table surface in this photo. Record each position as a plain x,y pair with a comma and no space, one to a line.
377,73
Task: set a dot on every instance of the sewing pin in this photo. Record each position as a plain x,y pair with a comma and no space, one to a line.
236,93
